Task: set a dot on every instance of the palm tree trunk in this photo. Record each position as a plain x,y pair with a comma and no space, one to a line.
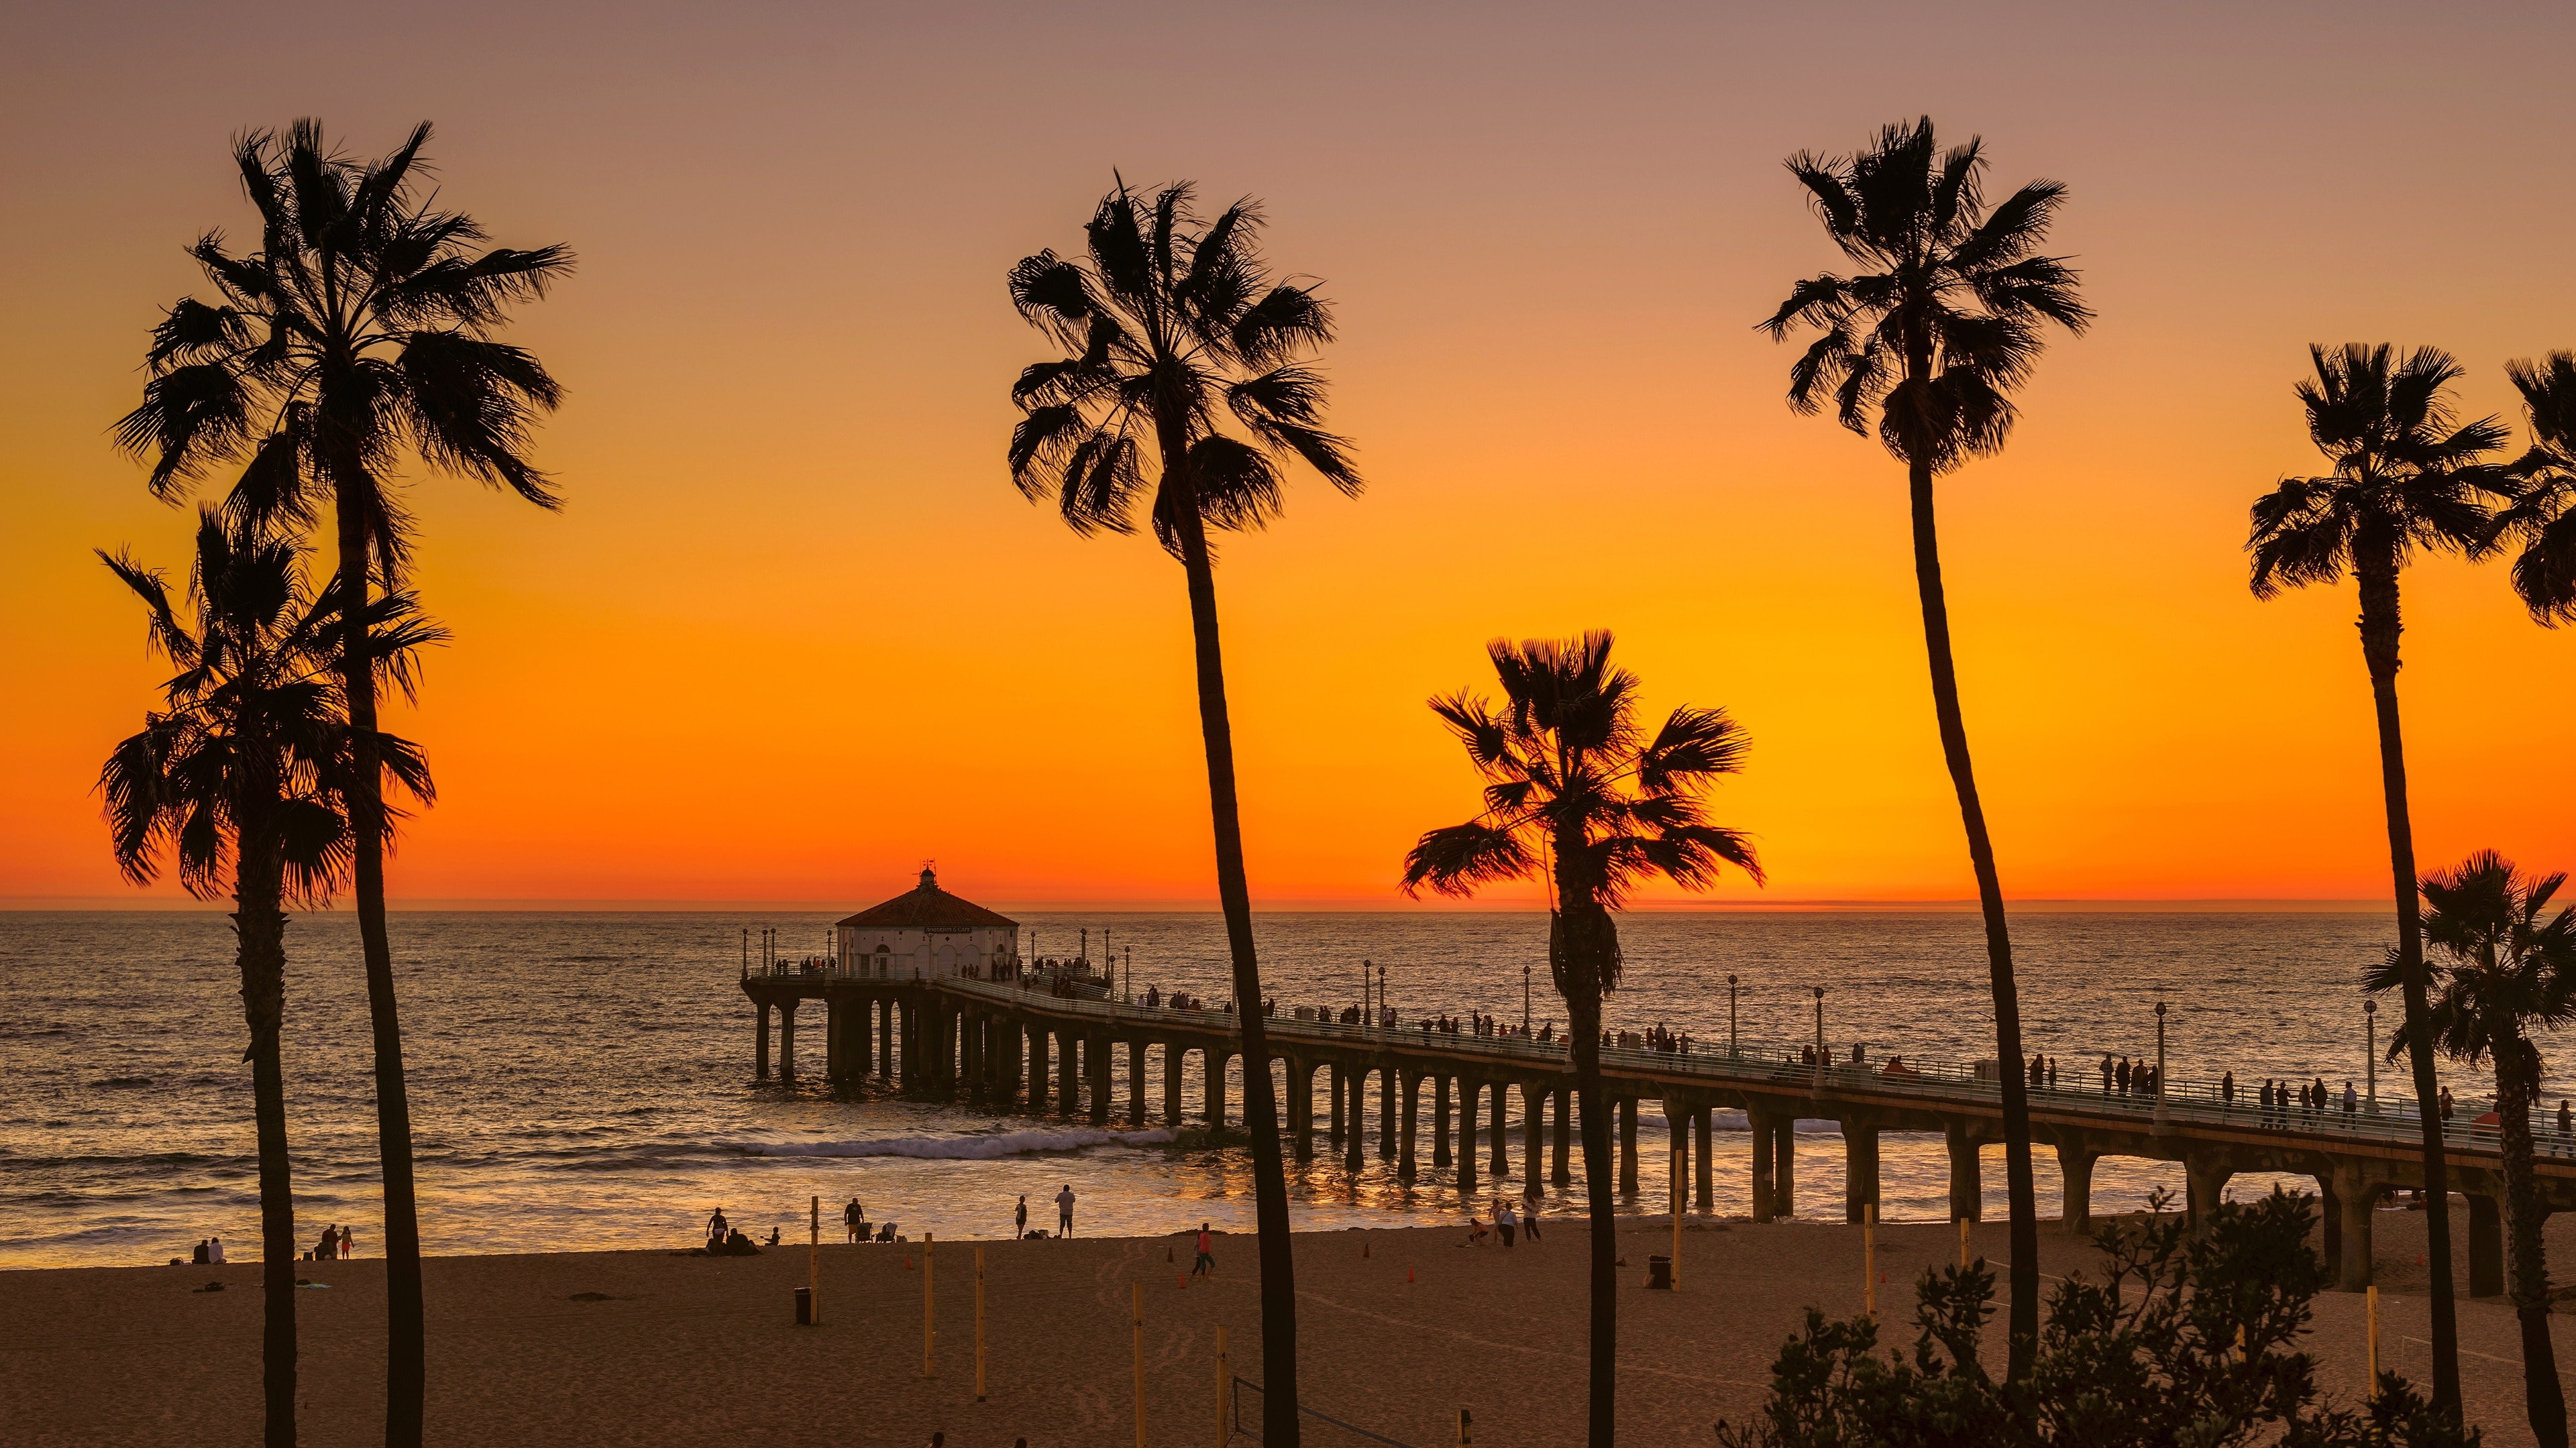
2517,1085
259,933
1279,1423
406,1333
1584,1018
2377,575
2019,1189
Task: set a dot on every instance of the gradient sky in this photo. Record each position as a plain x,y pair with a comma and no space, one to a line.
796,633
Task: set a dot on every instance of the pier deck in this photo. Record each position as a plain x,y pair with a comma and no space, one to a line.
1006,1046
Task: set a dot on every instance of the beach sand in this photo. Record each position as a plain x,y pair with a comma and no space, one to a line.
653,1348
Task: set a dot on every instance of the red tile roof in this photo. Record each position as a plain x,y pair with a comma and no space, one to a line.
927,907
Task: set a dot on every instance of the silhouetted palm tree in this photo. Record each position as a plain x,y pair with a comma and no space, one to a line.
1170,325
1580,799
359,332
1929,340
2404,478
2503,966
235,778
2540,488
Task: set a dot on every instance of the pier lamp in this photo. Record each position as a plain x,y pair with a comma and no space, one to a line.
1730,1018
1381,991
2370,1051
2164,1119
1366,1019
1525,999
1820,1040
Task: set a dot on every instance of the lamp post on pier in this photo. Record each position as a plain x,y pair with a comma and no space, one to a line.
1365,1017
1525,999
1820,1040
2370,1051
1731,1052
2164,1119
1381,994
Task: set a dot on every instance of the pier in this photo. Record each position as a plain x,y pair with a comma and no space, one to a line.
1009,1045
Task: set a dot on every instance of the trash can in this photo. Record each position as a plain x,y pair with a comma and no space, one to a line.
1659,1275
804,1307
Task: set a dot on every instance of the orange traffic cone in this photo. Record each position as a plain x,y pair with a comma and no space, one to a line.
1408,1274
907,1261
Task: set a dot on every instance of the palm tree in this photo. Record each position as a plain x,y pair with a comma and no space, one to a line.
1929,339
1581,800
358,333
236,779
1171,324
2404,479
2540,490
2503,965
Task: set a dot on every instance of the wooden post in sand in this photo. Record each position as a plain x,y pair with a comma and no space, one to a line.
1678,1186
1224,1392
929,1369
1466,1437
979,1323
2372,1301
1869,1258
1136,1306
814,1268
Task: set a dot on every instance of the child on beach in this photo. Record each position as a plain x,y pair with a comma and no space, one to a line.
1020,1218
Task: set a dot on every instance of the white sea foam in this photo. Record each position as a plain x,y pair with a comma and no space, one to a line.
962,1148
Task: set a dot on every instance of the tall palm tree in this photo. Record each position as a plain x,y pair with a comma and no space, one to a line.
359,333
1580,799
2503,966
1170,325
1929,339
2405,478
235,779
2540,490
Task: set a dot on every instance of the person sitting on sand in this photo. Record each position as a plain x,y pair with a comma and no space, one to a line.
215,1250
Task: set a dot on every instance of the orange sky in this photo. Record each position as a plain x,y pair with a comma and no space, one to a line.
796,633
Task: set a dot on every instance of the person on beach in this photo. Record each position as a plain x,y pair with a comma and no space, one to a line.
1477,1231
716,1227
348,1243
854,1222
1064,1211
1529,1213
199,1258
1505,1221
1020,1218
1205,1265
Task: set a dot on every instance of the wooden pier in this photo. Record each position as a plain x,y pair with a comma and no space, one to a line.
1007,1045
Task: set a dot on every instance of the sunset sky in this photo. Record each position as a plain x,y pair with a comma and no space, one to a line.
796,633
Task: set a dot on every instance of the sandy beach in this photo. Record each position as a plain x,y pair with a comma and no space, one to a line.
1401,1329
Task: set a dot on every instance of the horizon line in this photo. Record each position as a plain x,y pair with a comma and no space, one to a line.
1286,905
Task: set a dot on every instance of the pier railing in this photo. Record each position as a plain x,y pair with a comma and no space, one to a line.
2197,1103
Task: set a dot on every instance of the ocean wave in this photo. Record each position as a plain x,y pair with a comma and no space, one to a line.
961,1148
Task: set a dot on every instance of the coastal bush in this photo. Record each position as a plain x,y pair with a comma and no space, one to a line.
2189,1339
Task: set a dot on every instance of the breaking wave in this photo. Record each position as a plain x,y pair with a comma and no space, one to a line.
963,1148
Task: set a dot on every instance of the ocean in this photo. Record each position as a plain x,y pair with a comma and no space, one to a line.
585,1080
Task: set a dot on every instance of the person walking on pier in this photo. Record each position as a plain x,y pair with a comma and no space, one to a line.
2106,1073
2227,1088
2120,1075
1064,1211
2351,1102
1205,1264
2566,1126
2266,1117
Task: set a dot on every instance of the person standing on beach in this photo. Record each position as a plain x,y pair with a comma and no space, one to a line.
1020,1218
1505,1220
1064,1211
1529,1211
1205,1265
348,1242
851,1216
